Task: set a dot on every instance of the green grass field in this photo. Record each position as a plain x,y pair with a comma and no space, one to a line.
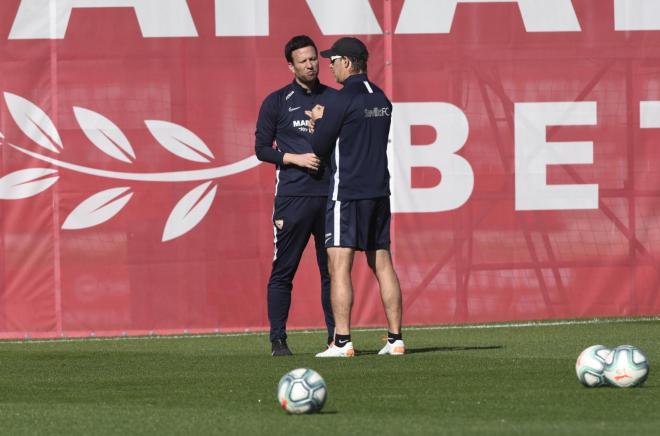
460,381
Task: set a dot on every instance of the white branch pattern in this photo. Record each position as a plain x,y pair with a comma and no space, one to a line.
108,138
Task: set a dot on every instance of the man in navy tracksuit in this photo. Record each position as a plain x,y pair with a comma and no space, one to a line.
353,127
301,186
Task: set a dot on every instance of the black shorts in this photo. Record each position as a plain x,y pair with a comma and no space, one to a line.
360,224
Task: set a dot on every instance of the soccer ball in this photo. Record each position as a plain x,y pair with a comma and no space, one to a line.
590,365
302,390
626,366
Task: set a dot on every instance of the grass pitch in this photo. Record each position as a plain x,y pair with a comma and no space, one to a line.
486,380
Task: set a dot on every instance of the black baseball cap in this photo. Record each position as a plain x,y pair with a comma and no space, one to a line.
347,46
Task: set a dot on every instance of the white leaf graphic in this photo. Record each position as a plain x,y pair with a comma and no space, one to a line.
104,134
189,211
180,141
97,209
34,122
26,183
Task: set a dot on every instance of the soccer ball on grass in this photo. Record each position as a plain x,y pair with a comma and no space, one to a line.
626,366
302,390
590,366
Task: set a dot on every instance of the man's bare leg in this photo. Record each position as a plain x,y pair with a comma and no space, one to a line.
340,264
380,261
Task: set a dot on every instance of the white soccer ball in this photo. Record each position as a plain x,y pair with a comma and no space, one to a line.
590,366
626,366
302,390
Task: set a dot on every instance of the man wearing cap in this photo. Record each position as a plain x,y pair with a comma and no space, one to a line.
301,186
353,128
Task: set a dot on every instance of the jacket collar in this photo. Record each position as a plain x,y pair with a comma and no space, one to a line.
315,90
355,78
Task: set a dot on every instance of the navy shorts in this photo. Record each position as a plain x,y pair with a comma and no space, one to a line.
360,224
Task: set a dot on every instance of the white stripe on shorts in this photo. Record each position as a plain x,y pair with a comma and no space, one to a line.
336,213
335,190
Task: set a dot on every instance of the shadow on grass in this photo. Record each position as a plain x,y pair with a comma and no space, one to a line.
438,349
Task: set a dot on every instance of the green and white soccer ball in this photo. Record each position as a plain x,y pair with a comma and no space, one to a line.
626,366
302,390
590,366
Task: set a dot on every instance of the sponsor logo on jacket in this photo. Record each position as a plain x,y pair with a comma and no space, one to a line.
377,112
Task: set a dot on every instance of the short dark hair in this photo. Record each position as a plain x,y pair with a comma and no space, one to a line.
295,43
358,64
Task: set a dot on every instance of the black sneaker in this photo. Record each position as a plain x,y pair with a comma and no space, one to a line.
280,348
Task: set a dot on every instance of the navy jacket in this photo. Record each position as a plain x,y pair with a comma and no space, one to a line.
282,120
354,130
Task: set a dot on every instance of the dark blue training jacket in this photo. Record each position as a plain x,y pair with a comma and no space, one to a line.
355,129
282,119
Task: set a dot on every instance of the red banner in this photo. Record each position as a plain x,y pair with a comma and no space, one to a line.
523,155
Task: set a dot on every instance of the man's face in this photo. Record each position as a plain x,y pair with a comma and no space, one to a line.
338,66
305,65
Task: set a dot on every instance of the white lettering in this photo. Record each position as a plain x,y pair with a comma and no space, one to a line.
636,15
300,123
49,19
345,17
533,153
377,112
649,114
422,16
241,18
457,180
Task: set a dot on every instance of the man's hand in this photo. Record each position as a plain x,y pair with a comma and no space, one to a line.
308,161
315,114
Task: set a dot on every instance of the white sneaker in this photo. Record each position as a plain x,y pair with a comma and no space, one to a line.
334,351
397,348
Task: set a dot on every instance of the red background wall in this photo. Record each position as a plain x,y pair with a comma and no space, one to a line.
483,261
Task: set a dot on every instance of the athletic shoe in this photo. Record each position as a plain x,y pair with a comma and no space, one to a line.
397,348
335,351
280,348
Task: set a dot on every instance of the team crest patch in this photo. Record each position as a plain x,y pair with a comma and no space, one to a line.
279,224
